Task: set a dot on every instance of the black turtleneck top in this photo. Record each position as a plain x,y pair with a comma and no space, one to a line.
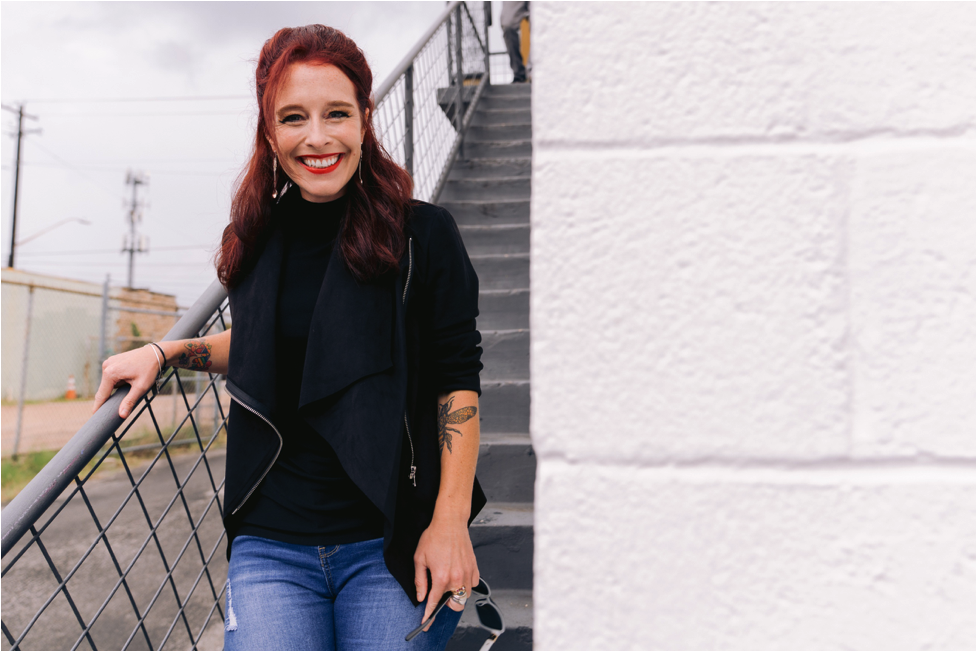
306,498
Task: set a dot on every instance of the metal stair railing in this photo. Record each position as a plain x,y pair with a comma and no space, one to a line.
50,508
151,570
426,103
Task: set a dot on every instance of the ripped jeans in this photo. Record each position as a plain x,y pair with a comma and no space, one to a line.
283,596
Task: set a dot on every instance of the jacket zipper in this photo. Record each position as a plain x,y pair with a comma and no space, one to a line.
410,269
277,453
413,469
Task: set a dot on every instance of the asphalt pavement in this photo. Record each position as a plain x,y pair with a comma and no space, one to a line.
159,569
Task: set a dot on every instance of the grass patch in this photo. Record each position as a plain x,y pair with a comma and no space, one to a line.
17,473
135,458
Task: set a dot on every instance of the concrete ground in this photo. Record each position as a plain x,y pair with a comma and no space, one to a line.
29,583
48,426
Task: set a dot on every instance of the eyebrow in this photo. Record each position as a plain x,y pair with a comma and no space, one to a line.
298,107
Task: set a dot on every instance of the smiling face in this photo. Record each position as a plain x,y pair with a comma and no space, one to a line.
318,130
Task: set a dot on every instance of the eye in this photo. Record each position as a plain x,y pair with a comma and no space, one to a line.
291,118
338,113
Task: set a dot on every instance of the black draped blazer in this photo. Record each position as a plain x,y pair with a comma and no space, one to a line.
378,356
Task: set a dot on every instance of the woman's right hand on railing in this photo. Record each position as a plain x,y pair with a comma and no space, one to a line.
138,368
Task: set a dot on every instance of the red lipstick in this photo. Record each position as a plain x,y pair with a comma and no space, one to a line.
327,170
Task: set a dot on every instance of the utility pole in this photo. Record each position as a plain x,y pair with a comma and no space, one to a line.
20,137
133,242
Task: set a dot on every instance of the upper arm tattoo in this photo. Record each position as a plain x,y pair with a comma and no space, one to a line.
445,416
196,356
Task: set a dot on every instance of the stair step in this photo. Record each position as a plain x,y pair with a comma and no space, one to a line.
503,309
523,115
502,536
486,168
505,354
504,406
479,211
495,239
487,189
507,468
509,90
502,271
500,101
489,133
498,149
517,614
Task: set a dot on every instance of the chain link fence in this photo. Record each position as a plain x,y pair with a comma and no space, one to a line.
135,560
57,332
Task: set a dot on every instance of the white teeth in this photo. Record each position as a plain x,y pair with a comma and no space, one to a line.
320,162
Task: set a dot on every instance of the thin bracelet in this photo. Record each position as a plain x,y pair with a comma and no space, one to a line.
159,364
163,355
159,381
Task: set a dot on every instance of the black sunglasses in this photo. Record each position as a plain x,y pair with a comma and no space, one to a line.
489,614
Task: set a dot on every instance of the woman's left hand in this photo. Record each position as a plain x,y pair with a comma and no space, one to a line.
445,549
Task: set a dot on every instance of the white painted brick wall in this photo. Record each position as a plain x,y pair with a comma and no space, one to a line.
753,308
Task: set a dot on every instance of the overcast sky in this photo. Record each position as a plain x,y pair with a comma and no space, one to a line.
63,59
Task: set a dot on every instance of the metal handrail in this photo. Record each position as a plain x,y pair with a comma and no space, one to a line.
83,456
456,146
28,505
464,121
407,117
384,89
481,43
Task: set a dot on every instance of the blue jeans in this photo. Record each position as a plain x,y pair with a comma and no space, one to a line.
283,596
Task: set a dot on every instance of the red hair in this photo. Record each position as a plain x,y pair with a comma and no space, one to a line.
371,238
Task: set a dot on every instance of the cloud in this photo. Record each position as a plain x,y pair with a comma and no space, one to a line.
171,55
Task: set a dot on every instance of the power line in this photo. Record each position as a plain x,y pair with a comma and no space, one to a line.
115,251
76,169
68,264
65,165
100,114
172,98
161,160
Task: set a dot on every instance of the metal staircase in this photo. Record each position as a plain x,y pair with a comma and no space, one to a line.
488,193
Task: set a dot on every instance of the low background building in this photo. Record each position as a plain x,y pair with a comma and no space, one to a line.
65,330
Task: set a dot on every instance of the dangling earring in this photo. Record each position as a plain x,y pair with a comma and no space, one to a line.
274,176
361,162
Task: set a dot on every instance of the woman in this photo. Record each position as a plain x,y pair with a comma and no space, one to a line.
348,495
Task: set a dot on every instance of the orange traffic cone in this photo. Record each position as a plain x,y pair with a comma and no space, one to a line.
70,393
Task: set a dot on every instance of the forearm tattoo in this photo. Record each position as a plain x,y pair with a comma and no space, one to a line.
196,356
446,416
